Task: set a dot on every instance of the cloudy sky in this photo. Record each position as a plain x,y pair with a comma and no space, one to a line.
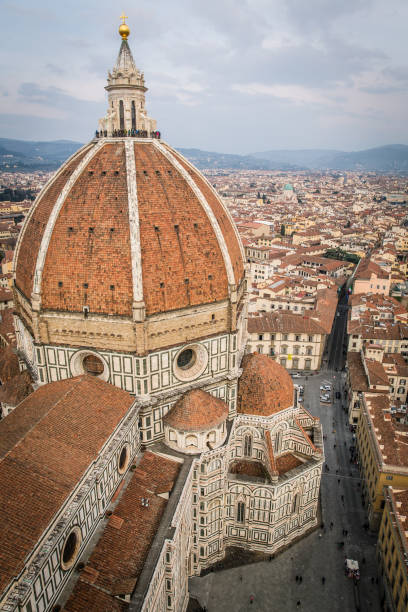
234,76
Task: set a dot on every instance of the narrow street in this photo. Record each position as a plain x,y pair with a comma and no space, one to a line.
322,553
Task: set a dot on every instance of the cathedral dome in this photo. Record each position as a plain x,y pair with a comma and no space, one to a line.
127,220
265,387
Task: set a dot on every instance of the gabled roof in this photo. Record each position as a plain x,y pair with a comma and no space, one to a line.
46,445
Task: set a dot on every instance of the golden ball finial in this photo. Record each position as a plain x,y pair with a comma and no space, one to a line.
124,29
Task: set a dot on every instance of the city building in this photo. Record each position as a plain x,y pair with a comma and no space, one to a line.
371,278
392,549
382,452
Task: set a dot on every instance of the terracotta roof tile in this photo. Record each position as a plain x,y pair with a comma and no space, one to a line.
196,410
287,462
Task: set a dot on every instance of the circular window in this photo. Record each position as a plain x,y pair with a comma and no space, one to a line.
123,460
70,549
92,365
186,359
190,362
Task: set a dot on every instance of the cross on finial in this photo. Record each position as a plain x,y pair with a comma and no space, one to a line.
123,17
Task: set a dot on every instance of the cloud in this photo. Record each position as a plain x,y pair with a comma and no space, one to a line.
54,69
300,72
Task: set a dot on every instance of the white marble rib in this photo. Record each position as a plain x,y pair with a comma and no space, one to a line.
134,226
54,215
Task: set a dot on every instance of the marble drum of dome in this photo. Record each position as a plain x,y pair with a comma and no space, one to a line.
129,253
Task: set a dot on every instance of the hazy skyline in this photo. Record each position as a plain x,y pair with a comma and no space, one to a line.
234,77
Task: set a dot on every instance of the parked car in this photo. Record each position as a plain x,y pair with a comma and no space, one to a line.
296,375
325,387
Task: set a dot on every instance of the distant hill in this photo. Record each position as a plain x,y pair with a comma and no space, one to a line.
389,158
210,159
21,155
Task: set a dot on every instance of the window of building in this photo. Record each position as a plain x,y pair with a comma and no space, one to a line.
248,446
70,549
310,338
284,349
309,350
191,441
296,350
186,359
308,364
283,362
260,337
260,349
92,365
241,512
123,459
295,363
296,503
285,337
297,338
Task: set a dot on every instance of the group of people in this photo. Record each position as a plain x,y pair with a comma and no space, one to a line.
124,133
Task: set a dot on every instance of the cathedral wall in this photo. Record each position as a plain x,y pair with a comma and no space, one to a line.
168,589
45,573
167,329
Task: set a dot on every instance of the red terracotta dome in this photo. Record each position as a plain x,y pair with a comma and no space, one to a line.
196,411
124,221
264,387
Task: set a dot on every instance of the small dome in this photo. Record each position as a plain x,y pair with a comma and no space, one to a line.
288,187
196,411
265,387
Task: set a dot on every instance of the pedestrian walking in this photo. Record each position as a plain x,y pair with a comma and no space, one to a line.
297,578
323,579
251,599
300,578
331,525
298,603
338,481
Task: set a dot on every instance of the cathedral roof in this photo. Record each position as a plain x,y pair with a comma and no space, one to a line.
264,387
125,221
46,445
197,410
120,554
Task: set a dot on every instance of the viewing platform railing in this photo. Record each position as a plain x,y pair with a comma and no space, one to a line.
127,134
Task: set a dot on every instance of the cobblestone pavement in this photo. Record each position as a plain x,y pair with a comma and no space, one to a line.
273,583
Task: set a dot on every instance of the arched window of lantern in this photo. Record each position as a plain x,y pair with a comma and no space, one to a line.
121,115
133,115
